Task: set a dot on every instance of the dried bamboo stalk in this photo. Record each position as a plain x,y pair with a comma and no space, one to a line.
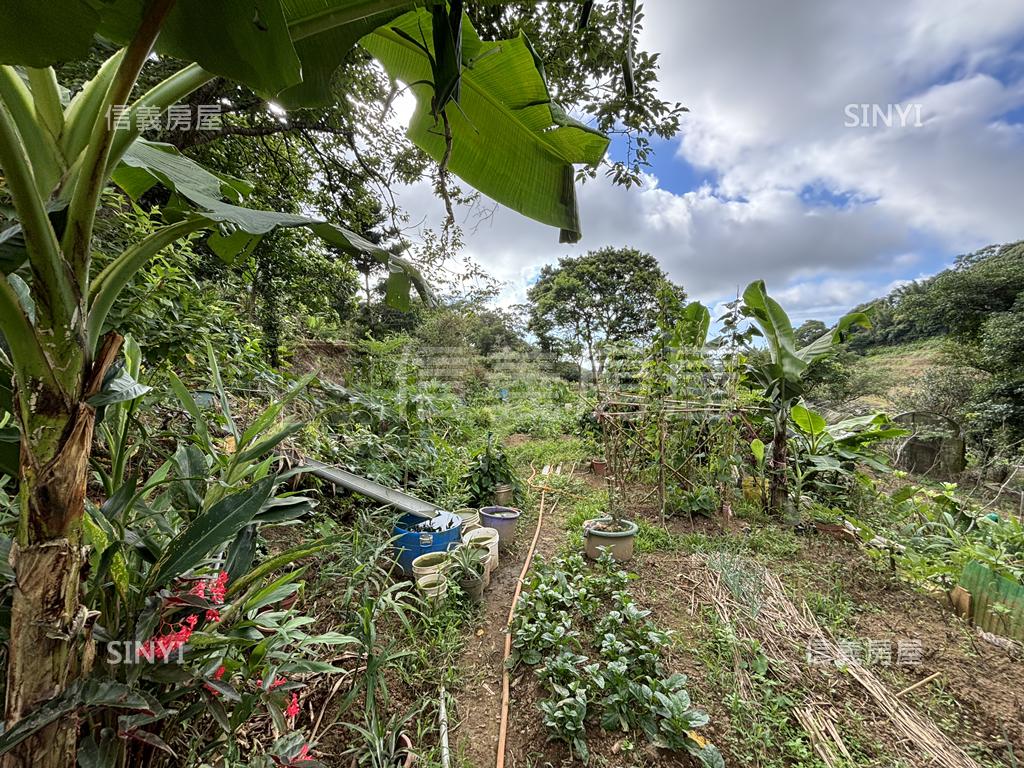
785,631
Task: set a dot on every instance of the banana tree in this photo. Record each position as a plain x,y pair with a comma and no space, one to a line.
781,376
823,449
484,113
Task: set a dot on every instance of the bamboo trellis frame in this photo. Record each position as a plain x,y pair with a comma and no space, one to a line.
627,421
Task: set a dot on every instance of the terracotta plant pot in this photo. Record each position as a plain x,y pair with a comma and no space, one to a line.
410,756
599,467
503,495
596,539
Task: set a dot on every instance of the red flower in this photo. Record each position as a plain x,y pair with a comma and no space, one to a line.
276,684
216,676
293,706
304,755
218,591
162,646
219,588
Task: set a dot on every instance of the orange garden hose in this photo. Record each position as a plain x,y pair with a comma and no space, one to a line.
503,725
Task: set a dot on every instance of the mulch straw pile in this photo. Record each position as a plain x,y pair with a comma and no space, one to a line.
751,599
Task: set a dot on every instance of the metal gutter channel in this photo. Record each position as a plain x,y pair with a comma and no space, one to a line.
372,490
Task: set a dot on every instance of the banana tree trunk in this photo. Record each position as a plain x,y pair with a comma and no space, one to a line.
50,642
778,492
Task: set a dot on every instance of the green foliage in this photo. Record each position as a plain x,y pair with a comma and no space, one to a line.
765,730
467,563
977,305
930,534
956,302
824,454
780,373
489,468
567,610
604,297
582,47
781,376
174,569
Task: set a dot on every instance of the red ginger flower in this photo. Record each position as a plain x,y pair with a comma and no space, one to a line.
218,591
276,684
216,676
162,646
293,706
219,588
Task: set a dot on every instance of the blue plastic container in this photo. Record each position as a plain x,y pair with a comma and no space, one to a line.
445,534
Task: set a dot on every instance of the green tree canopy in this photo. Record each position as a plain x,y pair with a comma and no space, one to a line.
607,295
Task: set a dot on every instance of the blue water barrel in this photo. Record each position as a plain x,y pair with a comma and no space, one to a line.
444,531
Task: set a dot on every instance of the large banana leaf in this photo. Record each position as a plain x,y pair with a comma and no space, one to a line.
824,343
511,141
147,163
774,323
269,45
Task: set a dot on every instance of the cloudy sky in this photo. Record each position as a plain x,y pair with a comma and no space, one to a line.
768,178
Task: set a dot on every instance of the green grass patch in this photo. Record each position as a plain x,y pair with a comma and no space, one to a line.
550,450
770,542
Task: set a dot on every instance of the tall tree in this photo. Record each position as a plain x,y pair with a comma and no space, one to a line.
607,295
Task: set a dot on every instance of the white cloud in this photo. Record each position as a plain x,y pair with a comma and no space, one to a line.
768,84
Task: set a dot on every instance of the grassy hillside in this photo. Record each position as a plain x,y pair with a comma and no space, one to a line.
898,369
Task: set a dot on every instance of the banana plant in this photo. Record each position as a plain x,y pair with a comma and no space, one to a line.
58,155
781,376
836,449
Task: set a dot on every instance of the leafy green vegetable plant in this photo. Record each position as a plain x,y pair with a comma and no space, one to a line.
488,469
625,688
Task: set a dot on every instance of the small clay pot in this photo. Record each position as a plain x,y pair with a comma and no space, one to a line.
410,756
599,466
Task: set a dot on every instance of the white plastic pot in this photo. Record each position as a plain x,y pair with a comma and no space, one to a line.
487,537
433,586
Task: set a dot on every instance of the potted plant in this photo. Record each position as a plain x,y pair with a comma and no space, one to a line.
490,478
468,568
612,532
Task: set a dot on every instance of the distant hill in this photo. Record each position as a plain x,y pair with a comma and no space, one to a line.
956,302
953,343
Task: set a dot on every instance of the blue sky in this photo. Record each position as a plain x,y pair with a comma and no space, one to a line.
768,180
